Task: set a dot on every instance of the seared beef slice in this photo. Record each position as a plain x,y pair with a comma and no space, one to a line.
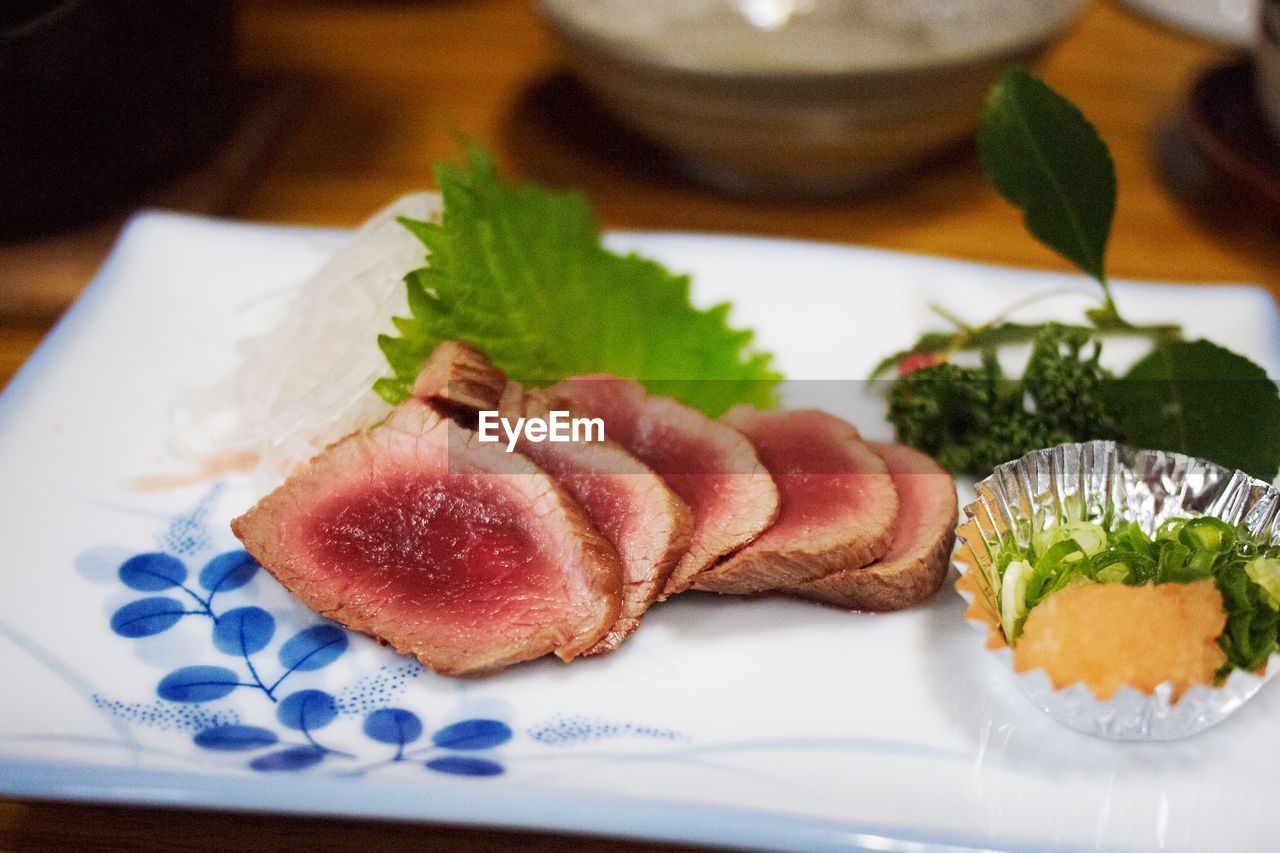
630,504
711,466
459,553
838,502
916,563
459,374
646,522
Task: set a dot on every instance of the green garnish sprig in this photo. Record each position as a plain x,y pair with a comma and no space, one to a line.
1194,397
973,419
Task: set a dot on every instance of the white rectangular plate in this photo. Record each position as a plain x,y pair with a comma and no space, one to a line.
764,722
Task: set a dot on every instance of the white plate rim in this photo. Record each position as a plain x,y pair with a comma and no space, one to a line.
614,816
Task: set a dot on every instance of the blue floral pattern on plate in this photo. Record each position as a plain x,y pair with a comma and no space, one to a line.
171,592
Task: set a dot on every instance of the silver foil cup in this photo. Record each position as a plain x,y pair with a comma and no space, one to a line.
1098,479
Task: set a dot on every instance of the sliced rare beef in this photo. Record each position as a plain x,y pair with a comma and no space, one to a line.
838,502
916,563
456,552
458,374
708,464
629,504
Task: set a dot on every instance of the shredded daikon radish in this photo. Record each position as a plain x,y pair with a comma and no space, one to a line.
307,382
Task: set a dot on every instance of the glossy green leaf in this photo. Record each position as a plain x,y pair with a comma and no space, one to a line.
1045,157
1204,400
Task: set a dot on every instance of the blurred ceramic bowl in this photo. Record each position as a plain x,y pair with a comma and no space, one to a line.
1268,65
801,97
1230,22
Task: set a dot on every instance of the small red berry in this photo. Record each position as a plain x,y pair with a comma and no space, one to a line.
917,360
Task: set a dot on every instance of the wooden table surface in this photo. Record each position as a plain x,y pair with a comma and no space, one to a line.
391,85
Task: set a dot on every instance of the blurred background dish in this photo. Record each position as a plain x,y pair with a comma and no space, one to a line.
1227,21
103,98
800,97
1267,65
1221,153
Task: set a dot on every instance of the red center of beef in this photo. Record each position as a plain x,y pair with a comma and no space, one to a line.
430,544
821,482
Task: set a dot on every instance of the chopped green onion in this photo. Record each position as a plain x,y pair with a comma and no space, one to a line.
1183,550
1051,566
1117,572
1208,534
1265,572
1013,597
1090,537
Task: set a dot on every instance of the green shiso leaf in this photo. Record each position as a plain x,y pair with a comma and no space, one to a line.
1201,399
520,272
1045,158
